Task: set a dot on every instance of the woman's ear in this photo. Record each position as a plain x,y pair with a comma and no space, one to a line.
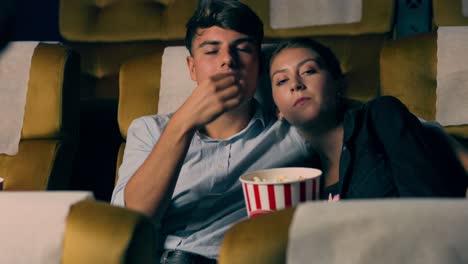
279,115
341,84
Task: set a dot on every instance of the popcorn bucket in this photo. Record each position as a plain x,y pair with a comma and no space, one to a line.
273,189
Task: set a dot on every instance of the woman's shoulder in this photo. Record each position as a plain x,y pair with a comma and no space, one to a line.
385,103
382,112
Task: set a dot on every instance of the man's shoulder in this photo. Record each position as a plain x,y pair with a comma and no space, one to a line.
153,119
151,123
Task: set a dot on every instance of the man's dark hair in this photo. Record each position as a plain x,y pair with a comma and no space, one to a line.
227,14
327,58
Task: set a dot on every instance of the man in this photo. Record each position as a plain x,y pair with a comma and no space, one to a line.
183,169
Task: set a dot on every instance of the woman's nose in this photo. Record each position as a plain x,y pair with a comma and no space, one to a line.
298,86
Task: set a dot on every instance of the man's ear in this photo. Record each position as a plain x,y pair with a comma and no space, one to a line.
191,66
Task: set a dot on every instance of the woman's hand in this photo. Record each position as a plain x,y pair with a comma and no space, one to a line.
333,198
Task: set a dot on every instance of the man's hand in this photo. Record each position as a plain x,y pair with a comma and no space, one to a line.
212,97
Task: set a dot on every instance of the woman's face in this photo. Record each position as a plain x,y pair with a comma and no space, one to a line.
303,90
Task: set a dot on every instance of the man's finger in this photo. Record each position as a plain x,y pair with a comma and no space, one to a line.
220,76
225,82
229,92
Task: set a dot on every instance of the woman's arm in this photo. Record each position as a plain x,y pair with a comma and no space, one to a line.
422,162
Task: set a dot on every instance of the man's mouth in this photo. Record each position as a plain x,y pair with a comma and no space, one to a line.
301,101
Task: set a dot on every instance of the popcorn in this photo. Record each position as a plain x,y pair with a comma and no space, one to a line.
278,179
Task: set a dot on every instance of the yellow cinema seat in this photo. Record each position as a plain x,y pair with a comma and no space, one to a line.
409,66
124,20
48,137
139,92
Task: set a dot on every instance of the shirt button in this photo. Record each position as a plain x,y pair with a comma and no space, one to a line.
344,148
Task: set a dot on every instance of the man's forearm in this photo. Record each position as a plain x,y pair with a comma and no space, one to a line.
150,189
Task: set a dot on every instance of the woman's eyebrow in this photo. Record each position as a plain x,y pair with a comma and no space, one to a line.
277,71
316,60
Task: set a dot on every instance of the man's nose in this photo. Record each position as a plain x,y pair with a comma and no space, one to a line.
229,59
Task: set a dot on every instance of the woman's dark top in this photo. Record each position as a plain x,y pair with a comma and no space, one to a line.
387,152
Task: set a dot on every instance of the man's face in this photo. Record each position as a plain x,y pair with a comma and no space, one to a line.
217,50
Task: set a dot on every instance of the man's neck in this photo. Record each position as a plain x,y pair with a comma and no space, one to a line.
230,123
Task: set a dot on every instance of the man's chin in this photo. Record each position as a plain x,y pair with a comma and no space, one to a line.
244,106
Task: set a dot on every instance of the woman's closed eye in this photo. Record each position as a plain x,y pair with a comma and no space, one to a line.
280,82
309,72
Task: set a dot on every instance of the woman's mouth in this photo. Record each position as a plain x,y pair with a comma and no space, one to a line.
301,101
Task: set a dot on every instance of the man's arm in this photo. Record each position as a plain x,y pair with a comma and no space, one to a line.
150,188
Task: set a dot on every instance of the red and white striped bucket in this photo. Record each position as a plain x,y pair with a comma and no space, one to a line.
297,185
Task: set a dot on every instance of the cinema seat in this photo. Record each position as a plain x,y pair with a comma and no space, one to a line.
48,136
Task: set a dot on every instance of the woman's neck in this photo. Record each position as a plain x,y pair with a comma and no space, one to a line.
327,141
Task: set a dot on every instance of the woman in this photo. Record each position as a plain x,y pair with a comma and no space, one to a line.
378,149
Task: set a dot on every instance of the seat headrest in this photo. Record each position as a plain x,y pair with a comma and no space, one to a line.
306,19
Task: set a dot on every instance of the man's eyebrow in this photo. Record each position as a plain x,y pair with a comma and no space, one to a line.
241,40
209,42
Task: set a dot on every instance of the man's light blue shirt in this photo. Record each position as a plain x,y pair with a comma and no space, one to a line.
208,196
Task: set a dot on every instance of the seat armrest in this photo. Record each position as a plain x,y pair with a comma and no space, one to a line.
97,232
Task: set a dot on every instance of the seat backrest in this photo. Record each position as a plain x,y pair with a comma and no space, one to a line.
124,20
48,135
